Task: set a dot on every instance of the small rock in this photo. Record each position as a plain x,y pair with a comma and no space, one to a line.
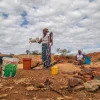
63,87
3,95
22,80
88,76
79,87
30,88
5,88
92,85
16,92
60,98
40,85
43,88
90,99
1,86
34,98
80,77
97,77
88,79
74,82
47,82
85,72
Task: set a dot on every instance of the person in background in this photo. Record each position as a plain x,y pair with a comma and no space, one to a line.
80,58
47,42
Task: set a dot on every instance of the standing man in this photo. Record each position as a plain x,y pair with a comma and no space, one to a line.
47,42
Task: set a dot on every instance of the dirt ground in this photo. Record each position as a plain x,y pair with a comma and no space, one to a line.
40,84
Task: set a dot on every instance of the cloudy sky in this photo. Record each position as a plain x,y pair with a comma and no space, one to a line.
75,24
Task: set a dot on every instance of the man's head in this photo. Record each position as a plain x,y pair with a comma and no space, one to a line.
45,30
79,52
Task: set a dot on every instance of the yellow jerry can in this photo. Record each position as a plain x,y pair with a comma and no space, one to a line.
54,70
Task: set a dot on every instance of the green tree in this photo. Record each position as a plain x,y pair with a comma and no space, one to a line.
63,51
36,52
27,51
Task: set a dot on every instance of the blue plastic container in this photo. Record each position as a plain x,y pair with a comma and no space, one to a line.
87,60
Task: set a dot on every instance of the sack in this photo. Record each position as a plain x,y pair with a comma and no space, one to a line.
9,67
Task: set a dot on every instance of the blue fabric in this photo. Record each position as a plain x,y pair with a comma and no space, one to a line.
46,55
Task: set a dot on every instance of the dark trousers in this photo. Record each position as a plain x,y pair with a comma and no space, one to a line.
46,55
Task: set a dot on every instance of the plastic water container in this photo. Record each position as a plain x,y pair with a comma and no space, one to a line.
9,67
87,60
54,70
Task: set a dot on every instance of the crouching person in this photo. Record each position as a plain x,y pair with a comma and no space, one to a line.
80,59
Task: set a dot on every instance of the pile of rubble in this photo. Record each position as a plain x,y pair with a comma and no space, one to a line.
88,79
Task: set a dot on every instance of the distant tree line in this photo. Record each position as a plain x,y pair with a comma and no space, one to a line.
63,52
36,52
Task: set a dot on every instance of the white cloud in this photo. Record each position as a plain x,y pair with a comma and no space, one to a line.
75,24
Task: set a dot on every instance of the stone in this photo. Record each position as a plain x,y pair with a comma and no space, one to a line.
31,88
6,88
40,85
80,77
79,87
88,79
60,98
96,73
88,76
16,92
92,85
22,80
74,82
1,86
85,72
97,77
47,82
3,95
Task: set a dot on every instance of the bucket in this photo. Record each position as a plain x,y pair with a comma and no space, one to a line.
54,70
27,63
87,60
9,66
